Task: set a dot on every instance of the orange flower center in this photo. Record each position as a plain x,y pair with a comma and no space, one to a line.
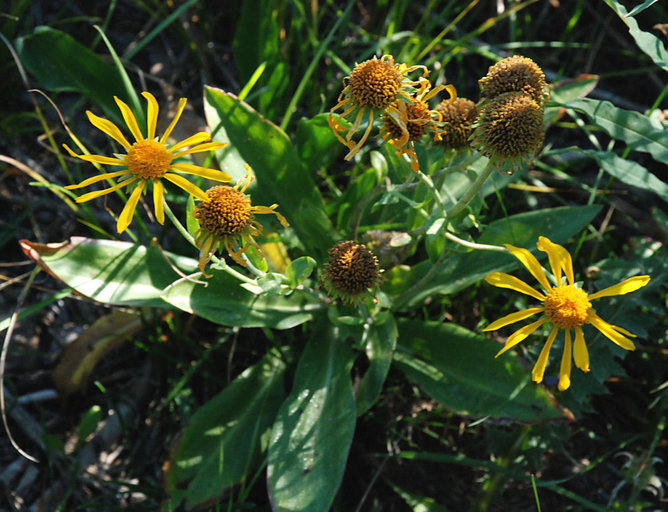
227,213
567,307
374,84
148,159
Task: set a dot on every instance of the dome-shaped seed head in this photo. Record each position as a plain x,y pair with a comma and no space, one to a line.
374,84
515,73
227,213
458,117
351,269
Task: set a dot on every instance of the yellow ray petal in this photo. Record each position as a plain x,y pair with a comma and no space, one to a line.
211,146
531,263
151,115
130,120
95,179
158,201
580,352
198,138
610,331
503,280
99,159
179,111
565,368
539,368
520,335
109,128
512,318
125,218
187,186
204,172
104,192
627,286
560,259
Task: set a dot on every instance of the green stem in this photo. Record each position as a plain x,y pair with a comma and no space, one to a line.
471,192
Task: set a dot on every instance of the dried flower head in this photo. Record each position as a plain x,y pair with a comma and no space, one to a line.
565,306
509,129
375,86
351,271
148,159
227,217
515,74
457,118
414,120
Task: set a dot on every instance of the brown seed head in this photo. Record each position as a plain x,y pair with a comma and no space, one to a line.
515,73
374,84
458,116
227,213
417,121
352,268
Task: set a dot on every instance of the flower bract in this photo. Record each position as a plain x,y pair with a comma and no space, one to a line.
148,160
564,307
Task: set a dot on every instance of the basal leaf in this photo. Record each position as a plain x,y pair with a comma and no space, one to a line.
222,443
314,427
316,143
457,367
108,271
281,178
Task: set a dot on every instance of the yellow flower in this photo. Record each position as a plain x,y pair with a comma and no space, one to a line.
374,86
227,216
414,120
565,306
148,159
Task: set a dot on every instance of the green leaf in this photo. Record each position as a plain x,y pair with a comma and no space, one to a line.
457,367
648,43
109,271
223,442
281,177
629,172
61,63
224,301
314,428
463,269
631,127
381,340
88,424
316,143
298,270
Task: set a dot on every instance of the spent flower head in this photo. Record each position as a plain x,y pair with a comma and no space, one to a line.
457,118
515,74
374,87
148,160
414,119
227,218
565,307
509,130
351,272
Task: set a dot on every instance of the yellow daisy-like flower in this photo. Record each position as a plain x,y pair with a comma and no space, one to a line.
148,159
374,86
227,217
414,120
565,306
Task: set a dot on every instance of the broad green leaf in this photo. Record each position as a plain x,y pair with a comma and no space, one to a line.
281,178
463,269
61,63
648,43
568,90
457,367
316,143
299,269
224,301
314,428
631,127
110,272
381,340
629,172
223,442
